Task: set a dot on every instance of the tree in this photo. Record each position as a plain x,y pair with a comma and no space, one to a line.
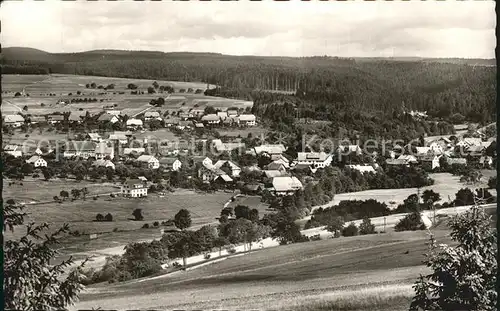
430,197
253,215
27,168
48,173
410,222
75,193
131,86
151,90
464,197
241,211
93,85
350,230
156,85
220,242
64,194
366,227
31,280
84,191
99,217
137,213
108,217
334,223
492,182
464,276
182,219
25,108
286,230
227,211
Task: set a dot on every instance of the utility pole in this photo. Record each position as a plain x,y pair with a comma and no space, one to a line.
384,223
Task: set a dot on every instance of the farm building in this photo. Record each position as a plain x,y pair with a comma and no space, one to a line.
274,173
227,147
103,163
37,119
77,116
55,118
247,120
84,149
172,164
13,150
149,115
107,117
430,161
37,161
150,160
228,166
134,188
172,121
459,161
138,151
286,185
362,168
134,123
14,120
272,151
348,149
408,157
315,159
222,115
276,166
121,137
210,119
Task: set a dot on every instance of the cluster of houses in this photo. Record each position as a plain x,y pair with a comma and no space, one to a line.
185,119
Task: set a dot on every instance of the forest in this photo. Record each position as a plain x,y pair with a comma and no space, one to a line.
317,86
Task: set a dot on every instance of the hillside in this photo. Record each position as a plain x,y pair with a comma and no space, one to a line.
442,86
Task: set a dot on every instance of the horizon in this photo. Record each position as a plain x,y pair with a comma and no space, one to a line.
243,55
361,29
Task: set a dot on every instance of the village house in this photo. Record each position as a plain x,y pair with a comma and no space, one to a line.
208,173
458,161
219,146
37,120
274,173
137,151
13,150
398,162
184,125
121,137
411,159
95,137
231,121
55,118
273,151
149,160
199,125
103,151
286,185
77,116
232,113
247,120
84,149
37,161
430,161
234,170
314,159
281,159
134,124
210,119
468,142
112,111
197,113
134,188
185,116
171,164
486,161
349,149
14,120
362,168
107,117
172,121
103,163
276,166
150,115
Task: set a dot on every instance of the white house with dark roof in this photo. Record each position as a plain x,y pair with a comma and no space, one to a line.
362,168
170,163
134,188
150,115
149,160
315,159
134,123
247,120
37,161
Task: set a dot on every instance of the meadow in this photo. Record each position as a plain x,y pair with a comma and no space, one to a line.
379,268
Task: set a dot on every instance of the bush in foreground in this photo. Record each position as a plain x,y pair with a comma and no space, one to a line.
464,276
366,227
350,230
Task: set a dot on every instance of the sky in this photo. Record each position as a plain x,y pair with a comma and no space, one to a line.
344,29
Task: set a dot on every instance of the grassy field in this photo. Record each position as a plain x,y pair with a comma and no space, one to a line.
80,215
380,268
252,202
36,190
39,87
445,184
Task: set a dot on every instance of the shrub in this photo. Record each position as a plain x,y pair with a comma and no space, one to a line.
99,217
108,217
137,213
366,227
410,222
230,249
350,230
207,256
145,226
315,237
115,230
112,195
95,198
492,182
156,224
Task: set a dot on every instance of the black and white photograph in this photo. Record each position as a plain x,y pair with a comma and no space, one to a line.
249,155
